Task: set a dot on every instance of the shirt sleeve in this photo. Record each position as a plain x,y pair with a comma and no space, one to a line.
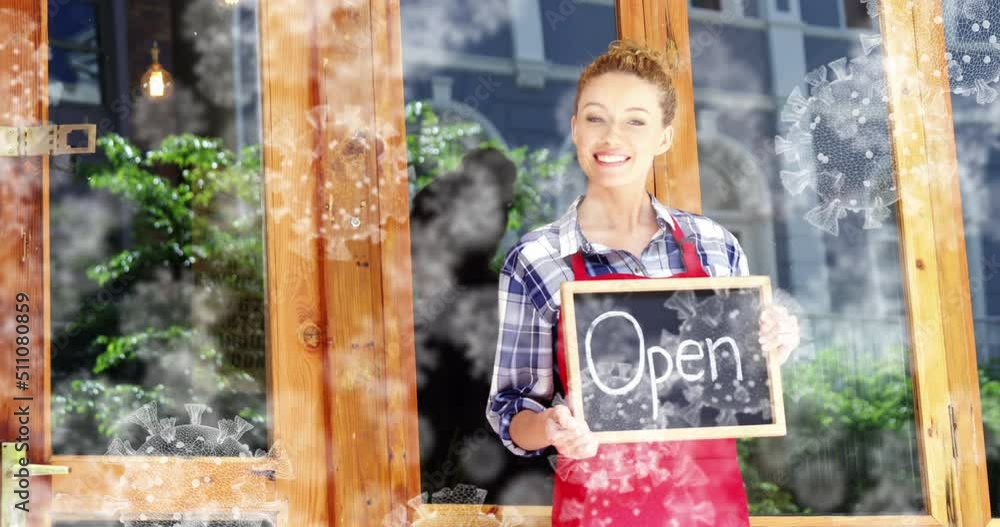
738,265
522,371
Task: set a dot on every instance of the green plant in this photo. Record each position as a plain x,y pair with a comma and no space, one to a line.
197,240
859,420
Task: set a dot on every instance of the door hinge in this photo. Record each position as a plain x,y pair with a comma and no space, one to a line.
954,432
45,140
15,469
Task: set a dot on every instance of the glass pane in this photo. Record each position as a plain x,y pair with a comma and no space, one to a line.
157,263
971,33
794,156
520,98
74,66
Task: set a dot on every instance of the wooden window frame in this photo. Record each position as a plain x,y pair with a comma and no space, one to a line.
329,312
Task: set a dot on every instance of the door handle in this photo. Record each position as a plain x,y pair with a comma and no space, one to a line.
15,497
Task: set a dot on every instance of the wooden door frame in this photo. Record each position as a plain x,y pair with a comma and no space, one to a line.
341,379
23,218
934,151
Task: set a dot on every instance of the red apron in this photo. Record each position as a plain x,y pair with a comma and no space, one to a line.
693,483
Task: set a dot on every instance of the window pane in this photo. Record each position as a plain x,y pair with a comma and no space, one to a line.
819,13
74,66
463,88
807,182
857,13
707,4
971,32
157,262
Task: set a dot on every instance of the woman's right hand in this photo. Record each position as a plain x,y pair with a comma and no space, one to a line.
571,436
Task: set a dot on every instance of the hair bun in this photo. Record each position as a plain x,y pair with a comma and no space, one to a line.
630,50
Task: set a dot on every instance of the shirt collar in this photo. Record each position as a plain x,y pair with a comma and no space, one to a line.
571,238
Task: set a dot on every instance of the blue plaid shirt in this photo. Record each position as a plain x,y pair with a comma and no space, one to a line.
523,375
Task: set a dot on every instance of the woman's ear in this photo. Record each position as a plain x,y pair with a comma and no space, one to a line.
572,128
668,140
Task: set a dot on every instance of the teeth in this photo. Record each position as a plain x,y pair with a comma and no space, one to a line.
611,159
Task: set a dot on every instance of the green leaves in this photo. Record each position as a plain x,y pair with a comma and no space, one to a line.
194,218
128,347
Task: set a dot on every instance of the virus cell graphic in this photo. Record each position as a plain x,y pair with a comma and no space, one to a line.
973,42
838,141
605,409
731,388
689,309
199,466
424,515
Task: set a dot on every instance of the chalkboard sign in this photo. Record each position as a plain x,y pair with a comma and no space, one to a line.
671,359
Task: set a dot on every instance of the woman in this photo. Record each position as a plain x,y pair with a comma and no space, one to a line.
624,106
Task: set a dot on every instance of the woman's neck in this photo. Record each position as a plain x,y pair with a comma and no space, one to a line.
623,210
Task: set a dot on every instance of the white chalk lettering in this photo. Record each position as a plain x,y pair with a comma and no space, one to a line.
655,380
590,357
683,357
712,345
688,372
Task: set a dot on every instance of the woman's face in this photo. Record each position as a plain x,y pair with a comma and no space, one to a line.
618,130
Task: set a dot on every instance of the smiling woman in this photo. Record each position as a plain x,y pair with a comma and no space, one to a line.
626,104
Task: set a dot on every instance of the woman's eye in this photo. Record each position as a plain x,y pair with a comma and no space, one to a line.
593,119
638,122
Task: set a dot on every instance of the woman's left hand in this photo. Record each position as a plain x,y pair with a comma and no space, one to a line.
779,332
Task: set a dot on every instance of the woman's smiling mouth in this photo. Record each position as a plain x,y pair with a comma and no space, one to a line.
611,160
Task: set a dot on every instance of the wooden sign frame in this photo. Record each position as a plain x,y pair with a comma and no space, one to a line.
640,285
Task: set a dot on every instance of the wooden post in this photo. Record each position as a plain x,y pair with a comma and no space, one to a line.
25,246
675,179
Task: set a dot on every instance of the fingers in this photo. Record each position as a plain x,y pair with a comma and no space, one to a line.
577,446
571,436
779,332
562,415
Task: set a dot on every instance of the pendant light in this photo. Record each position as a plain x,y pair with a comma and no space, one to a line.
157,83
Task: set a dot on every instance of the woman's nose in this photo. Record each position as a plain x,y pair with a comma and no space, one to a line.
612,135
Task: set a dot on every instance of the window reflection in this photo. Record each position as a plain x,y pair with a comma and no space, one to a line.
778,162
157,239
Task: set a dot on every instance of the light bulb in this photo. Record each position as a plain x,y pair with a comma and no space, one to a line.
156,87
157,82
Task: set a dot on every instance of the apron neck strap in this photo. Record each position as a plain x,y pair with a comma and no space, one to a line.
579,268
688,252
